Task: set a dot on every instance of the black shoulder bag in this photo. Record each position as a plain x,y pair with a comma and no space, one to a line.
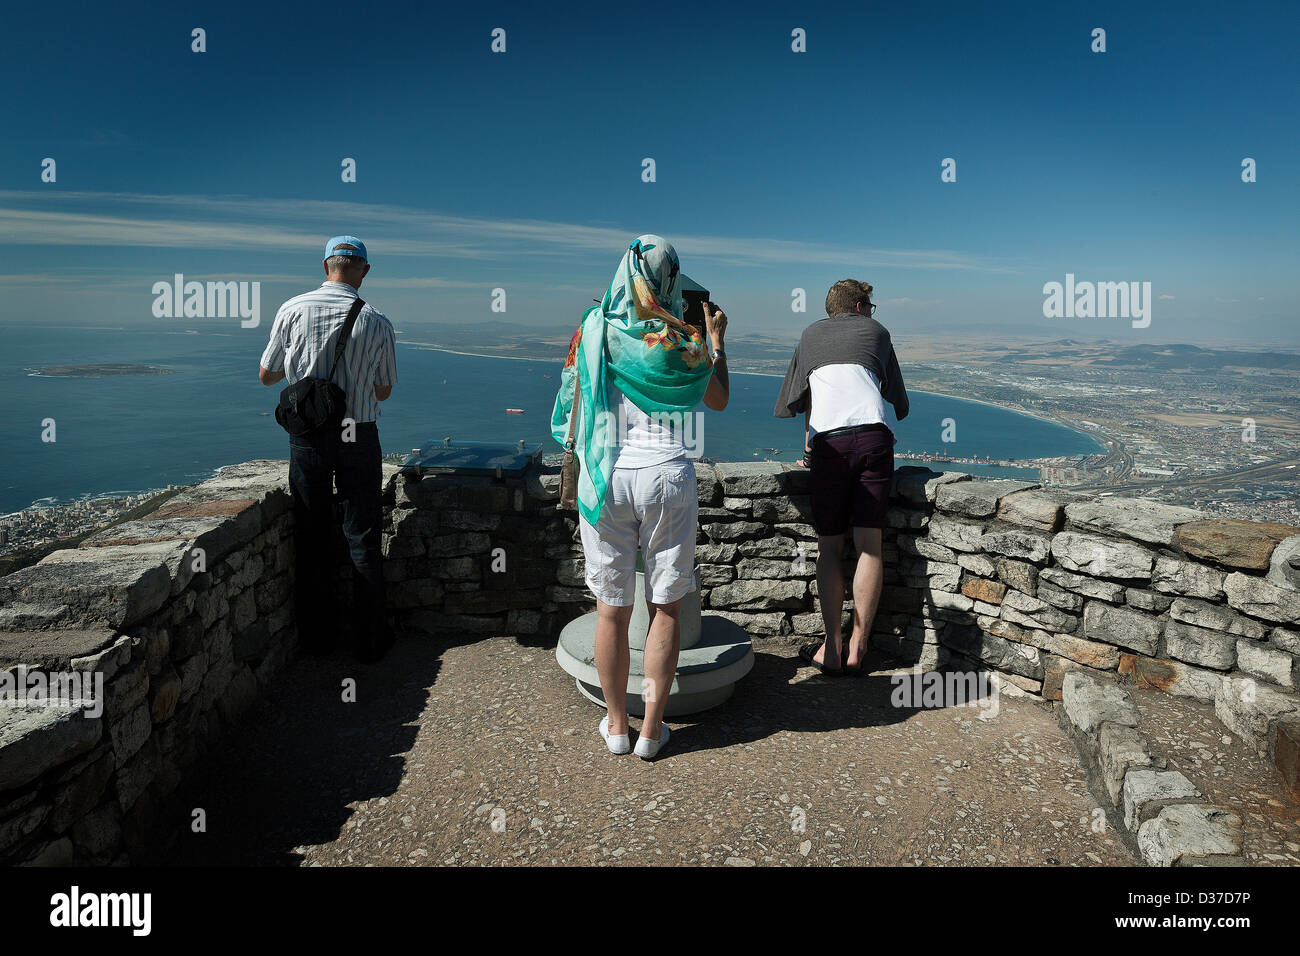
316,404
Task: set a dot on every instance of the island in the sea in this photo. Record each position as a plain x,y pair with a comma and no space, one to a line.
101,371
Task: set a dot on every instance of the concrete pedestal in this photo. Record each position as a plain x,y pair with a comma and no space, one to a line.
715,654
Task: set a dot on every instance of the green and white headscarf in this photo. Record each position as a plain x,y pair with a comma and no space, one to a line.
636,340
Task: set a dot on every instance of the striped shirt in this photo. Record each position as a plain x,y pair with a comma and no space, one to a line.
304,335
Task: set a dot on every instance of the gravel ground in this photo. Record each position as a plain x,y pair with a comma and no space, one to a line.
1225,770
484,753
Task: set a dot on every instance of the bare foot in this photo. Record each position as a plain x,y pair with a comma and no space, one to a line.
857,652
827,658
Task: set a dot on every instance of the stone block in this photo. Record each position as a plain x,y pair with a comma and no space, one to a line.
977,499
1152,522
1028,546
735,530
1102,557
1249,708
1285,640
1256,597
956,534
1284,565
1120,748
769,624
715,553
164,694
1181,834
745,478
134,777
1198,645
111,586
1151,601
130,733
1027,611
759,595
1125,627
18,827
1172,677
1267,663
107,661
1091,701
976,564
1043,509
34,740
979,645
982,589
1286,756
920,485
99,832
80,788
1146,792
1060,598
1176,576
1216,617
1020,575
1233,543
708,485
1082,584
1089,653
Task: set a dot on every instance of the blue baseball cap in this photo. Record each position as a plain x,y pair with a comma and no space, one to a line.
331,247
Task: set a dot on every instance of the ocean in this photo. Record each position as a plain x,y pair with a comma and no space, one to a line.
117,435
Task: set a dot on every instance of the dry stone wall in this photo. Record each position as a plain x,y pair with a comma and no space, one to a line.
1028,583
186,615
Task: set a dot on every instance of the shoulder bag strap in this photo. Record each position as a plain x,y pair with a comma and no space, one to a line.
357,305
573,413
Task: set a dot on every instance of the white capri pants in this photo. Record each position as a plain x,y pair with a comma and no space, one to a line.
654,508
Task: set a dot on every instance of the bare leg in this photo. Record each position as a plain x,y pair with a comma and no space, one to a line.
613,661
868,580
662,645
830,592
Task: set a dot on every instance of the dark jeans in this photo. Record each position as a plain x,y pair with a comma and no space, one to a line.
316,462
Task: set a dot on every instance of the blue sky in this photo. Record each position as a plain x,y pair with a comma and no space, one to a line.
775,170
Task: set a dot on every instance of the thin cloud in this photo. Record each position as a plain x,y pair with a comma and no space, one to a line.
242,222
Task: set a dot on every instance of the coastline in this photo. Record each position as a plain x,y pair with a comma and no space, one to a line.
427,347
738,371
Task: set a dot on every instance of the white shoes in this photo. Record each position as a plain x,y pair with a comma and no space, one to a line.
617,743
648,749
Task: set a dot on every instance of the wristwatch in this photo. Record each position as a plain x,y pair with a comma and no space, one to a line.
722,352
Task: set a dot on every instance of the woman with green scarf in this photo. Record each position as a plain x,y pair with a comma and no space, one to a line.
641,372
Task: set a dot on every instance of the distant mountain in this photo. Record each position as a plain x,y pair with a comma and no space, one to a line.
1193,357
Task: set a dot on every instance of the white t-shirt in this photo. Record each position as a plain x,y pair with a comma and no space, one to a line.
645,440
845,395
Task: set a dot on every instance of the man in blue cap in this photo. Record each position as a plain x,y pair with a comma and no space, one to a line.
302,345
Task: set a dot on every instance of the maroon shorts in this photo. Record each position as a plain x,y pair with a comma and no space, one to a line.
851,475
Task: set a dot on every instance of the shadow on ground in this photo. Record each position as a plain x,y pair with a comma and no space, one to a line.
290,776
286,777
772,699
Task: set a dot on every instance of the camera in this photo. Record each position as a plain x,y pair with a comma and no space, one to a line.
694,296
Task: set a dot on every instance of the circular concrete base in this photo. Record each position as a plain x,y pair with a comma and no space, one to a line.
678,704
706,673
